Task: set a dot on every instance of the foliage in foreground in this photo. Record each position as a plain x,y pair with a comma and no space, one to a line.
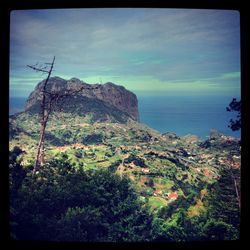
62,203
235,106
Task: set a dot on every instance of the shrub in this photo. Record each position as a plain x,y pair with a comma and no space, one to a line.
62,203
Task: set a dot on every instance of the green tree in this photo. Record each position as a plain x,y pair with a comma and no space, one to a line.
16,172
62,203
16,176
235,106
219,230
224,203
173,231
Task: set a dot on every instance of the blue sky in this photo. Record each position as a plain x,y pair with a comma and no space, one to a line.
149,51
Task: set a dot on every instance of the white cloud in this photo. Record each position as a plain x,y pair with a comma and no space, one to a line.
166,45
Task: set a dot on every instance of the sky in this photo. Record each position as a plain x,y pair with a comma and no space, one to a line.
149,51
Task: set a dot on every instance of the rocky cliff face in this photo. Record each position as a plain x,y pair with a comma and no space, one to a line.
108,95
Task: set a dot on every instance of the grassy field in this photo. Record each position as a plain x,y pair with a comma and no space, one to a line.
157,202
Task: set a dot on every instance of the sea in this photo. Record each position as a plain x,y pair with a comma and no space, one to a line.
181,115
184,115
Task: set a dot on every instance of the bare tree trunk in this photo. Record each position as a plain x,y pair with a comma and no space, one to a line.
44,118
40,149
42,153
48,102
43,141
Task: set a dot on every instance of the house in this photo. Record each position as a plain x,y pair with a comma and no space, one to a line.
145,170
157,192
206,172
172,196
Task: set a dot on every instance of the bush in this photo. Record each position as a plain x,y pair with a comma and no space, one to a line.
62,203
219,230
93,139
136,160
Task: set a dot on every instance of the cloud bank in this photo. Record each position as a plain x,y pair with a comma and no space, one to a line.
160,50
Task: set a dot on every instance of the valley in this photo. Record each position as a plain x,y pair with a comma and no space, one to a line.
176,183
158,165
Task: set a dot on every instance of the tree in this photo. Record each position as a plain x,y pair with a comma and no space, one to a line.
16,171
65,204
51,100
219,230
44,114
225,197
235,106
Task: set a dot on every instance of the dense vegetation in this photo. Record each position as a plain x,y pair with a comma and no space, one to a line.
235,106
63,202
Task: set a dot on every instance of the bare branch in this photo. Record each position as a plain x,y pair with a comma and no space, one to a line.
45,112
50,101
38,69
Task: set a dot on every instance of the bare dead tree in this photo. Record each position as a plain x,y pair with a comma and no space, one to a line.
44,114
50,100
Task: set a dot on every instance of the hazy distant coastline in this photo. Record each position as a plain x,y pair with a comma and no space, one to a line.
181,115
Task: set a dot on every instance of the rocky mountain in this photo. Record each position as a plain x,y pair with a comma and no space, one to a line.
104,101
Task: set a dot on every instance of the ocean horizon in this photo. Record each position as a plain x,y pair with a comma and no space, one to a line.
181,115
184,115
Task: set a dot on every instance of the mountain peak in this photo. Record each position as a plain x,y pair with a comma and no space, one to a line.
113,98
74,79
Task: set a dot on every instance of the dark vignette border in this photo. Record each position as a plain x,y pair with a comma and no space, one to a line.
5,11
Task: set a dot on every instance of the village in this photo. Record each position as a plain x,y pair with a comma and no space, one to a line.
161,166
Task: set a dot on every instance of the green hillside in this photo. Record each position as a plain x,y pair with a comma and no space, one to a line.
178,182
